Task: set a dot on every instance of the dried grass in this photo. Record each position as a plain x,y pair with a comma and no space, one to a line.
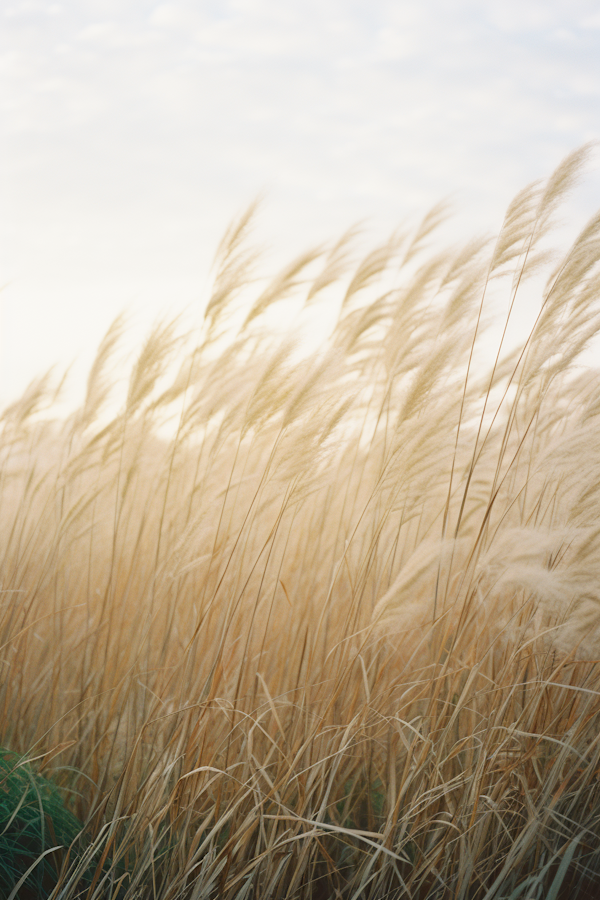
336,634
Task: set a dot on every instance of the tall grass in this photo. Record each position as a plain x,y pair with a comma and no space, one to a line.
323,624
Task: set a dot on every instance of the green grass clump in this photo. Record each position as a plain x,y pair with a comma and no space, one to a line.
33,821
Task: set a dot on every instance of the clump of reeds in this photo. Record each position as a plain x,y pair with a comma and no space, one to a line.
35,829
323,624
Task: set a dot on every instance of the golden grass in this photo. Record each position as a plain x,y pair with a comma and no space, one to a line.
323,625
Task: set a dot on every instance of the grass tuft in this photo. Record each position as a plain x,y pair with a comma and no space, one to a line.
36,829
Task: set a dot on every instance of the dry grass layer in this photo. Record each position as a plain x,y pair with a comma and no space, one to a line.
322,625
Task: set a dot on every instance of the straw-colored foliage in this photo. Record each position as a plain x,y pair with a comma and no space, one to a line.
323,624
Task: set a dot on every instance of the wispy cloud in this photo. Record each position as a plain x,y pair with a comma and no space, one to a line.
132,132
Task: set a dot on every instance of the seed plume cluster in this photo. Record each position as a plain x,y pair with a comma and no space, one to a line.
290,621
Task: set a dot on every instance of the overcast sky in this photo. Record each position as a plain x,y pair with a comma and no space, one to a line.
132,132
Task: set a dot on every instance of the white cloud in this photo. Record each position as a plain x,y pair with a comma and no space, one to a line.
131,133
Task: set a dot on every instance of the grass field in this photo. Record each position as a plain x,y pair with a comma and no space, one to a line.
326,624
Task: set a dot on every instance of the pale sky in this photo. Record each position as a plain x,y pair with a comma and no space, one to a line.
131,133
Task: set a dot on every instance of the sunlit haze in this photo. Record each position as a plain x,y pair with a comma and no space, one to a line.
132,133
